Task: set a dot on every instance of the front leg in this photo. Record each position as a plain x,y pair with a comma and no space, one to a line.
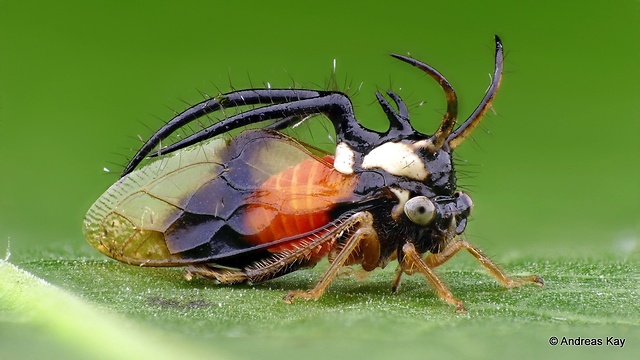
434,260
412,263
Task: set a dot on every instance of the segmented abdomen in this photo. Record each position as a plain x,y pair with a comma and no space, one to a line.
297,200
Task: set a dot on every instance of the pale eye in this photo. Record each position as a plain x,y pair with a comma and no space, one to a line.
420,210
463,202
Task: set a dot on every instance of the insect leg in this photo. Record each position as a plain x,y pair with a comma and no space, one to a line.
434,260
277,264
412,262
396,280
223,276
362,243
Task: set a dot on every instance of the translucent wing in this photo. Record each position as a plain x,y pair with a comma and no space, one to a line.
216,198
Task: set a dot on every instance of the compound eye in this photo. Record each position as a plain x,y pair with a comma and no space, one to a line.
463,202
420,210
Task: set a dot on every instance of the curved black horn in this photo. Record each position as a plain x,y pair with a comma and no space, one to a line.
449,119
238,98
285,105
465,129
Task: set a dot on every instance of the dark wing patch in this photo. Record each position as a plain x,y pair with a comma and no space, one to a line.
188,199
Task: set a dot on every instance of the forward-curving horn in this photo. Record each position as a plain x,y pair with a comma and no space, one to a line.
445,133
435,142
465,129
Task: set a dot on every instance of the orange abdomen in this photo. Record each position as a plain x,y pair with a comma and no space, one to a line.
296,200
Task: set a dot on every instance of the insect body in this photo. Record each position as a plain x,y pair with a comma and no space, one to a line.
263,204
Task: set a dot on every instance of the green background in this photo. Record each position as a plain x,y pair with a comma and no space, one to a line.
554,173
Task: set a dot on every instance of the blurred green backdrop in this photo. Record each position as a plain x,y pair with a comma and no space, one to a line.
554,173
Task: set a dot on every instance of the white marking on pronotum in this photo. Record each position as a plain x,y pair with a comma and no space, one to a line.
398,159
403,197
422,144
426,144
345,159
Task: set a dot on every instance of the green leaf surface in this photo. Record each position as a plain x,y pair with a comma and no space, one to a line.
553,172
101,308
